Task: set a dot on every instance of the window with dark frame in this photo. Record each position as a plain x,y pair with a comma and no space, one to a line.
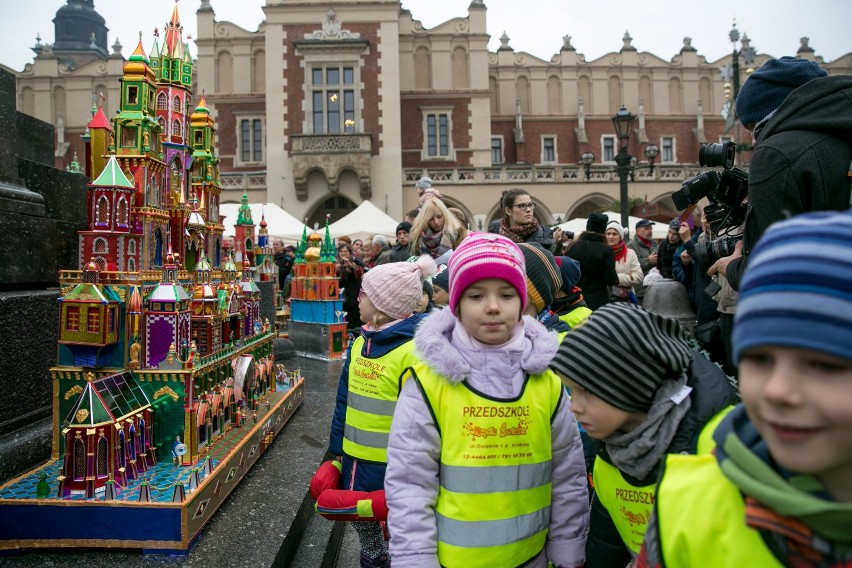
333,99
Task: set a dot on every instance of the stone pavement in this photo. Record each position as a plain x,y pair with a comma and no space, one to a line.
269,520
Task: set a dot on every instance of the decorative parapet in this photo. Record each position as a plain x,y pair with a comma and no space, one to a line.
330,143
568,173
242,181
332,155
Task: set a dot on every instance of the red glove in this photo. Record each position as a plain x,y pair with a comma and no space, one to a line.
343,505
326,477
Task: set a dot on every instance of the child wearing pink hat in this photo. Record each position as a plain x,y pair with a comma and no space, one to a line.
370,383
485,464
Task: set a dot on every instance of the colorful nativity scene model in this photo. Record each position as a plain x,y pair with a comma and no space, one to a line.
164,391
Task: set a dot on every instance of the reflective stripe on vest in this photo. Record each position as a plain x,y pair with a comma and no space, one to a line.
493,506
630,506
701,518
576,316
374,385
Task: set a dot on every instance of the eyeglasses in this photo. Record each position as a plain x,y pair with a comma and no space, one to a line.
525,206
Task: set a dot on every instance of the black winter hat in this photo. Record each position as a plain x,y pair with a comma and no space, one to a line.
404,226
622,354
596,223
765,89
442,280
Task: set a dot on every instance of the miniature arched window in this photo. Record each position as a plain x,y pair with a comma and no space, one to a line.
132,433
131,265
176,106
102,211
101,262
162,122
158,248
202,435
121,212
79,460
103,455
99,245
131,247
176,130
122,458
162,102
215,423
142,446
227,418
153,197
249,246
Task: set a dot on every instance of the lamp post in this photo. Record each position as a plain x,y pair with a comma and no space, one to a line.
623,123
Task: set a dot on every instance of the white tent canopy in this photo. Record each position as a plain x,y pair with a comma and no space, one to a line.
279,223
365,221
578,225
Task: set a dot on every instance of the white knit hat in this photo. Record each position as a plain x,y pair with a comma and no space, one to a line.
396,288
617,226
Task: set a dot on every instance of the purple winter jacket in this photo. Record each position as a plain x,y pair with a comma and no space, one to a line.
414,448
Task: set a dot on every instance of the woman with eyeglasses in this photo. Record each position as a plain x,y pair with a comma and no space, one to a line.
520,224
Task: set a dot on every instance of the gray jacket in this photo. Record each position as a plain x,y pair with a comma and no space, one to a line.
414,448
643,253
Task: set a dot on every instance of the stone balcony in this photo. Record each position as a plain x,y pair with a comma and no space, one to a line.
242,182
331,155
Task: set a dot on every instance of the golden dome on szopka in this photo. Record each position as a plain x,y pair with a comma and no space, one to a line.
138,64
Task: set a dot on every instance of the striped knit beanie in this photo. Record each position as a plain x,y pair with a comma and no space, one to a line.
543,275
486,255
622,354
797,289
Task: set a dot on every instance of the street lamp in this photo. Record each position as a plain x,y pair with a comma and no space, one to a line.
623,123
587,159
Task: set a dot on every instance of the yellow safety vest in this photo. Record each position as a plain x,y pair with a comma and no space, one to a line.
576,316
374,386
630,506
701,518
493,506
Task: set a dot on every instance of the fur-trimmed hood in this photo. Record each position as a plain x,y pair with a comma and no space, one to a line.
434,345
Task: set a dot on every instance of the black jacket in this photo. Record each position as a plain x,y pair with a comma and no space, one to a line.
711,393
542,235
597,267
801,160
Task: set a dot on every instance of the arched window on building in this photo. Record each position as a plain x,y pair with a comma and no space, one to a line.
79,460
176,129
422,68
162,122
522,92
706,94
675,96
615,97
102,211
554,95
157,251
131,247
131,265
162,103
645,93
122,457
224,73
461,74
258,72
494,91
176,106
584,91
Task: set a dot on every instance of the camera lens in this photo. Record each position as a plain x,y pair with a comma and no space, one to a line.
713,155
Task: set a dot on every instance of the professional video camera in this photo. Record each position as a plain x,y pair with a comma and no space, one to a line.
726,192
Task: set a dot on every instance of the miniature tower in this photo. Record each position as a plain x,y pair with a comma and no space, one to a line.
166,317
205,177
108,239
97,151
206,320
244,232
317,328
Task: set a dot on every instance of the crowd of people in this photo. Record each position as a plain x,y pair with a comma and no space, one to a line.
514,404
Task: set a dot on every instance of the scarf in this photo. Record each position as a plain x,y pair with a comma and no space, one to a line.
800,524
431,240
639,451
645,242
620,251
518,233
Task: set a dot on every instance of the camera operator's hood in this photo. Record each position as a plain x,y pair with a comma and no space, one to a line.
820,105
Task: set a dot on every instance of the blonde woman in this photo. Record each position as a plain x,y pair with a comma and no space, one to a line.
435,230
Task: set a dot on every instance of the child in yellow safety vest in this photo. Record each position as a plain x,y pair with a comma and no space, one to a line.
640,392
778,491
485,465
370,383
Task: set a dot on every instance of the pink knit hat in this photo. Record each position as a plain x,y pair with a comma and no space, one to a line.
486,255
395,288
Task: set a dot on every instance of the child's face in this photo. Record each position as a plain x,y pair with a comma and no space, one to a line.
489,310
421,305
599,418
800,401
440,297
366,308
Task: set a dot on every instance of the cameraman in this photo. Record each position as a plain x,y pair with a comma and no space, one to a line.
802,126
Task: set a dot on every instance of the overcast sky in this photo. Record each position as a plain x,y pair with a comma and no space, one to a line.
534,26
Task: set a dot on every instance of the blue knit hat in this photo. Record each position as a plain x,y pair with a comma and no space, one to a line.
797,290
766,88
570,272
